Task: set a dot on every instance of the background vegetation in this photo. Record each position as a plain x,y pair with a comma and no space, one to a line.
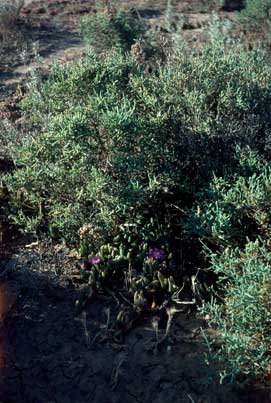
9,12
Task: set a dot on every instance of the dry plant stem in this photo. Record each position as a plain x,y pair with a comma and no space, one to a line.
84,321
115,374
104,328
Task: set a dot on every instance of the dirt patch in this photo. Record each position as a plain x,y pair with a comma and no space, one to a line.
47,30
52,353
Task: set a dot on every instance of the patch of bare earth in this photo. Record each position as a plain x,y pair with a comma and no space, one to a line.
53,352
47,29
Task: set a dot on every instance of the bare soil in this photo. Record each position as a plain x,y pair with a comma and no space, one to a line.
45,29
50,351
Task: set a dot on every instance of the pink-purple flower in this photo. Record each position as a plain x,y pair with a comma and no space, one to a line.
157,254
94,260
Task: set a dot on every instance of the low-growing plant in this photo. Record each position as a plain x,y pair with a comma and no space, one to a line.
243,319
113,265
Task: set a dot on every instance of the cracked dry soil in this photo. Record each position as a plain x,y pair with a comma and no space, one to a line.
52,354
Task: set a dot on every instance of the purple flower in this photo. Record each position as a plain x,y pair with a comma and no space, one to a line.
94,260
157,254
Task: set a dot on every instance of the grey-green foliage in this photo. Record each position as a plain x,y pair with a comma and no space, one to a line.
243,321
234,210
110,138
234,207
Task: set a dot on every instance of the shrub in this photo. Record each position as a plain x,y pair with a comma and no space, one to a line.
243,320
127,140
112,27
256,14
233,220
113,143
118,158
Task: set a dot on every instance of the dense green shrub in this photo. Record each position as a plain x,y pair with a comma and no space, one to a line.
112,142
243,320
